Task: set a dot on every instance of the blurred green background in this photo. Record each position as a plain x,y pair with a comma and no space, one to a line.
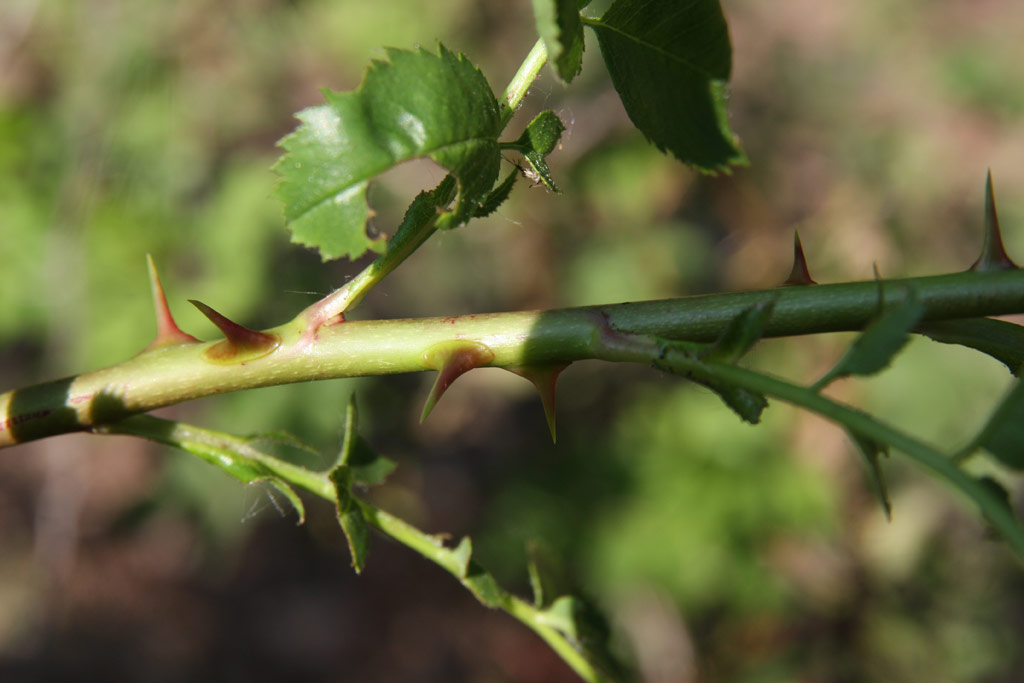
719,551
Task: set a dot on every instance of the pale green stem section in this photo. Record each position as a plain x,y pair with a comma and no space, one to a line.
234,454
520,84
612,346
173,374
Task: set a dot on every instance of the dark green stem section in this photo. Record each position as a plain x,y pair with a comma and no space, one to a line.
173,374
613,346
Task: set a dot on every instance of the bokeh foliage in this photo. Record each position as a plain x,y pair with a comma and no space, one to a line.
128,128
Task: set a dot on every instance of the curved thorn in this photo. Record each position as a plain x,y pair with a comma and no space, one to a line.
993,253
240,343
451,360
799,275
545,378
167,331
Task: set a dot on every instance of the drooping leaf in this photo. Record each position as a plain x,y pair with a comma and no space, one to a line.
746,403
417,104
742,333
237,456
350,517
1000,339
670,63
872,452
872,351
497,196
366,466
560,27
538,140
1003,436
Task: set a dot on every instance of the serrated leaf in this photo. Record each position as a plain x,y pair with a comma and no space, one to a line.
417,104
880,341
1000,339
560,27
350,517
1003,436
670,63
742,333
538,140
365,465
497,196
543,133
872,452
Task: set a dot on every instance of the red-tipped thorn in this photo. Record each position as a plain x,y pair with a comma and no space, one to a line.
451,360
993,253
799,275
167,331
545,378
240,343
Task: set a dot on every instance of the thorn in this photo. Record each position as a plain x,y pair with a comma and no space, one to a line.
993,254
452,359
167,331
240,344
799,275
545,378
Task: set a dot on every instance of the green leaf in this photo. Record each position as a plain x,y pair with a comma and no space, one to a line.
742,333
478,580
670,63
876,346
416,104
366,466
872,452
543,133
236,456
497,196
538,140
746,403
350,517
1003,436
560,27
585,627
1000,339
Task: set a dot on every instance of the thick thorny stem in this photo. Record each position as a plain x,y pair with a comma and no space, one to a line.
173,374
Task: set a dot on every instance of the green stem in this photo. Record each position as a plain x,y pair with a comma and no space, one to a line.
173,374
645,349
330,308
239,458
520,84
